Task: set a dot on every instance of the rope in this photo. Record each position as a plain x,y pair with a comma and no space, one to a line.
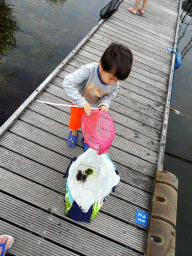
179,113
178,157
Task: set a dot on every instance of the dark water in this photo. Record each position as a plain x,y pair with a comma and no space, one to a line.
42,33
179,137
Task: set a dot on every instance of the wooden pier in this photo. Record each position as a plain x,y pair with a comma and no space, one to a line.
34,154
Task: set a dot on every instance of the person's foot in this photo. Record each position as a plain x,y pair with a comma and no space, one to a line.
72,140
85,145
5,243
132,10
141,11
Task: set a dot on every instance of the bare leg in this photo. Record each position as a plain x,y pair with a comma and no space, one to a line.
143,7
74,132
134,9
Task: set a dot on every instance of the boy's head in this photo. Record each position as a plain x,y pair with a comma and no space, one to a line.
116,60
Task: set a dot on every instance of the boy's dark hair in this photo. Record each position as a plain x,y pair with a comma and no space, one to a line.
117,59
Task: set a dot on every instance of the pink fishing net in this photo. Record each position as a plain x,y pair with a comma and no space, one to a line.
98,130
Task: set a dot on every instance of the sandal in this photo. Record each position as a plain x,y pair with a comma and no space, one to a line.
3,245
141,13
72,140
85,145
130,10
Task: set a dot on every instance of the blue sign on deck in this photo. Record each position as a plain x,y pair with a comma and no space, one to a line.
141,218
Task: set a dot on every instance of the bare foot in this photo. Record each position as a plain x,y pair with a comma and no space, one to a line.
8,242
132,10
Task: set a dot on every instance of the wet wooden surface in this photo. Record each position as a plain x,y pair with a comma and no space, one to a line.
34,153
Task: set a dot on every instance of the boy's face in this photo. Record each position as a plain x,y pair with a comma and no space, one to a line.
106,77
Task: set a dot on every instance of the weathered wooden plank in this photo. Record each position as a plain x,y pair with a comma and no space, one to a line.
130,87
40,174
159,20
134,46
45,139
121,120
112,228
59,130
118,106
126,93
167,7
133,195
138,55
139,32
123,103
39,154
162,19
31,170
147,97
167,4
129,36
47,176
31,192
28,244
98,53
58,230
60,146
122,97
57,161
78,61
123,191
146,27
137,179
126,211
138,67
55,114
164,6
95,58
159,105
166,23
34,172
147,110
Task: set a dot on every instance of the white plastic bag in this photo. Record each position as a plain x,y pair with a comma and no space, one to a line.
90,180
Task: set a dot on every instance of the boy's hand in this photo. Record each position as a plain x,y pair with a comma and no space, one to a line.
102,108
87,108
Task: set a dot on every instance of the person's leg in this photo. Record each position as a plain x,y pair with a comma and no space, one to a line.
74,132
134,9
74,125
75,119
143,7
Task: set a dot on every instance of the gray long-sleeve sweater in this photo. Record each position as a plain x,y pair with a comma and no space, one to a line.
85,85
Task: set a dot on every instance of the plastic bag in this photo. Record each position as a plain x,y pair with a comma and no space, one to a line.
109,9
91,178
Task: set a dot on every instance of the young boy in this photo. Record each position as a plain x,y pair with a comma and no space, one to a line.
96,85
